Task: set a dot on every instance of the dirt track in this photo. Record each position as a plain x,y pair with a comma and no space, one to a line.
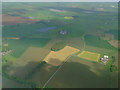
13,20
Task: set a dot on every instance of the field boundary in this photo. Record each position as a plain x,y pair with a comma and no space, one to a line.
56,71
63,64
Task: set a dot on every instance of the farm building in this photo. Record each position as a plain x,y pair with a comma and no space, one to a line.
63,32
104,59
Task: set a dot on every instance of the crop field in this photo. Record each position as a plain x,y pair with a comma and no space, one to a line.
78,73
34,48
33,55
89,55
16,38
7,83
15,45
43,73
75,42
56,58
13,20
97,42
99,50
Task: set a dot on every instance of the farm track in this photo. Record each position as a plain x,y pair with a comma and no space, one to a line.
63,64
56,72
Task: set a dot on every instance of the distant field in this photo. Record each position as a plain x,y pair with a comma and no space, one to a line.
19,46
89,55
99,50
13,20
97,42
80,73
31,29
75,42
56,58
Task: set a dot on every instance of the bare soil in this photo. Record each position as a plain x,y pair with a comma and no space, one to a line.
13,20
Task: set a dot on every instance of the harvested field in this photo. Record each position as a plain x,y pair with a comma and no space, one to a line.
13,20
56,58
89,56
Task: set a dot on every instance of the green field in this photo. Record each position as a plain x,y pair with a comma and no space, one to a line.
89,55
87,25
19,46
58,46
97,42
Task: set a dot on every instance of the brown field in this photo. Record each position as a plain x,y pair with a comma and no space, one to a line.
56,58
114,43
13,20
89,56
6,45
28,61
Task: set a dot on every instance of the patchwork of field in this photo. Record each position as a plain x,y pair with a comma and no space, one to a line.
31,29
13,20
19,46
96,41
89,55
28,61
56,58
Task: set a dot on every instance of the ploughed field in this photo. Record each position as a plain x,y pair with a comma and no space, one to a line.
13,20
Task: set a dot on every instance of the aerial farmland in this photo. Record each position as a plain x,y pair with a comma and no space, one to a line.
60,45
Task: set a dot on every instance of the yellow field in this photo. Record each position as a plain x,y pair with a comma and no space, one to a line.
56,58
89,56
68,17
16,38
113,6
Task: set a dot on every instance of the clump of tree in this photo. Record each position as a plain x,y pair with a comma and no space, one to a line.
110,64
113,68
58,46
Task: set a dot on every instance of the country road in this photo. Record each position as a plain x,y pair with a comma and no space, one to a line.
55,72
63,64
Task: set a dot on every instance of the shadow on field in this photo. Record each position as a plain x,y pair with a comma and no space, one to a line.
71,75
25,71
76,75
35,72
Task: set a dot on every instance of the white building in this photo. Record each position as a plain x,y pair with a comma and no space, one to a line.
104,59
